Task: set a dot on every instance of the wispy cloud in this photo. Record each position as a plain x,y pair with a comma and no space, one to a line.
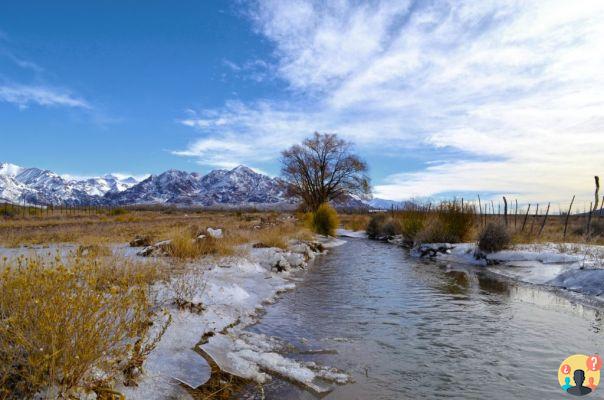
517,83
25,95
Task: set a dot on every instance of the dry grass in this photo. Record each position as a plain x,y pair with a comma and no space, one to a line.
106,229
425,223
355,222
324,220
81,322
494,237
73,324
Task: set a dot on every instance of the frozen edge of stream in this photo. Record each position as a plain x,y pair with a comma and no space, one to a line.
236,291
576,270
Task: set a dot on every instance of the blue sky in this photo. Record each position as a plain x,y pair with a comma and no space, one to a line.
440,97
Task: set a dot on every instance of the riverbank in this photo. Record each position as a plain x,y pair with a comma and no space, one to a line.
199,309
233,291
409,327
577,268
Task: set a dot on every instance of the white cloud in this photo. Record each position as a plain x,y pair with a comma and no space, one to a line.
25,95
517,86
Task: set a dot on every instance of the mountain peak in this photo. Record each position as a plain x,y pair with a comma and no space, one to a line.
9,169
243,168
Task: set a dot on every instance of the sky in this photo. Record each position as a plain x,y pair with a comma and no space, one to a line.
441,98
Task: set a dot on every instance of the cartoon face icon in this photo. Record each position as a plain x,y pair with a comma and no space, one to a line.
579,374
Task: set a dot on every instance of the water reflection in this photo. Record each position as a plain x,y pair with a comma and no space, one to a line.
413,329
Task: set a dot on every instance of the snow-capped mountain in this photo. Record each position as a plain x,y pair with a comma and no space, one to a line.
239,186
42,187
383,204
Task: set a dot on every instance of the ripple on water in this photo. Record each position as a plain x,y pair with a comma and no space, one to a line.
413,329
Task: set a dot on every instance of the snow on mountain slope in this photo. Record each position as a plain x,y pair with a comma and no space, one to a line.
384,204
10,170
10,190
238,186
174,187
41,187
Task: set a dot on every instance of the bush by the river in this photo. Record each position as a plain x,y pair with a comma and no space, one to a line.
382,226
374,227
451,222
494,237
324,221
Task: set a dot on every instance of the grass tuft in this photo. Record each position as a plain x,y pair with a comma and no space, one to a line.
69,324
324,221
494,237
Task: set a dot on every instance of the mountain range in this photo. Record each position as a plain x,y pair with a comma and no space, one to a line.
240,186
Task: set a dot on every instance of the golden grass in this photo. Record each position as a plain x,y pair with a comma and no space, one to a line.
103,229
184,245
355,222
324,220
279,235
71,324
80,322
418,223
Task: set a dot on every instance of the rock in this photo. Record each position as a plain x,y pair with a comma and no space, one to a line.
146,252
295,260
304,249
260,245
159,248
163,244
140,241
277,261
215,233
433,249
316,247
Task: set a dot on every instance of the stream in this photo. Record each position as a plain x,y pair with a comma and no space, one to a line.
406,328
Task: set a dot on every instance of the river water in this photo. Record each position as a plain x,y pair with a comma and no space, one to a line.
412,329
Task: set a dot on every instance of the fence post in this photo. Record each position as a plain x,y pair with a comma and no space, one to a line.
597,196
568,215
525,217
505,210
544,219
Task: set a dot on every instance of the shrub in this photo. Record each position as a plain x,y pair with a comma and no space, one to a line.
117,211
375,226
356,222
433,232
450,223
7,212
184,246
64,326
457,220
392,227
412,222
325,220
494,237
596,229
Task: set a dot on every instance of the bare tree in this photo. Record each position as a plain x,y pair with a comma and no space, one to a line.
323,168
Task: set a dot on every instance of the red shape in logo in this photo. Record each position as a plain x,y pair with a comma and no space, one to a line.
594,362
565,369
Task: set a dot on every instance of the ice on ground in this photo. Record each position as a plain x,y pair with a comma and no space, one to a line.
570,266
215,233
233,292
351,234
251,356
589,281
329,242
